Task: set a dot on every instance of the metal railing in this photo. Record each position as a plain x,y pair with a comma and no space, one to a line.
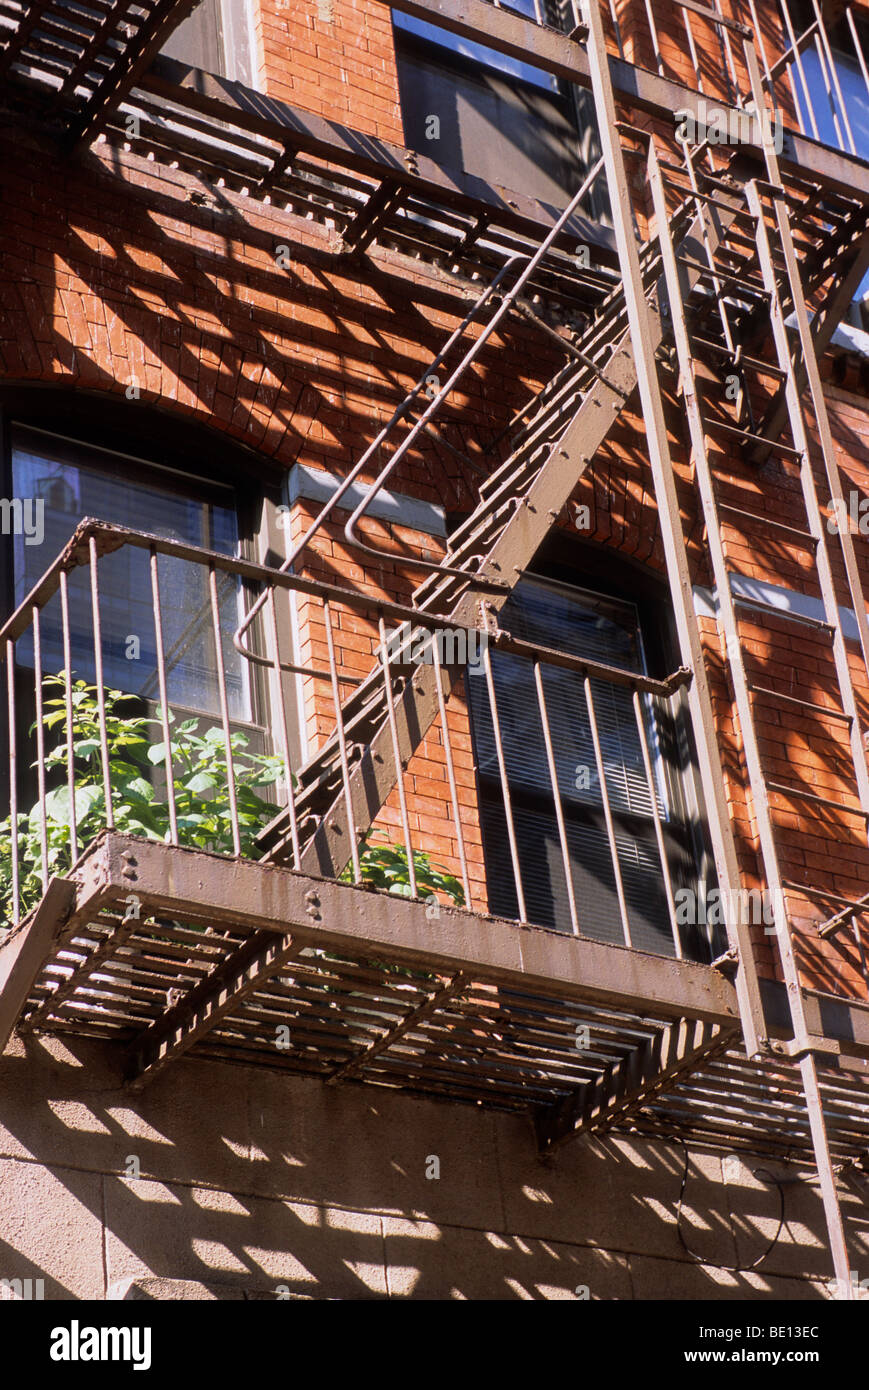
815,71
88,777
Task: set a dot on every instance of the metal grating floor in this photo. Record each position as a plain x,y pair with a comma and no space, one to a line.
351,1018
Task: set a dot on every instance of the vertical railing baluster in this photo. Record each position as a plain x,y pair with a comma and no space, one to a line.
758,34
858,47
224,710
825,75
798,59
607,812
70,752
157,612
505,785
451,774
724,39
692,49
101,693
824,43
653,31
617,29
396,753
40,742
13,784
342,742
556,796
659,832
278,701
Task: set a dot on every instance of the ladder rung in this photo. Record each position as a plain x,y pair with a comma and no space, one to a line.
747,286
802,619
753,438
800,795
826,710
767,368
767,521
691,194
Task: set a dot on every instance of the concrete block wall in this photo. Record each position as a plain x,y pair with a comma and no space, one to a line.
255,1184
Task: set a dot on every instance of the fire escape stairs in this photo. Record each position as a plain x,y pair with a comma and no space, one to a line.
520,503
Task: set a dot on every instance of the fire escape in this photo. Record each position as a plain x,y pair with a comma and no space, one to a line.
724,263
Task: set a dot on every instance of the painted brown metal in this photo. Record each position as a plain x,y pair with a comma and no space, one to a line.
645,91
624,1086
23,952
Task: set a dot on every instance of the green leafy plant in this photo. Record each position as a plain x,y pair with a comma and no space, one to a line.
140,803
385,867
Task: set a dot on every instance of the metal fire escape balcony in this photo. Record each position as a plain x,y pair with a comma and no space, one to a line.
164,948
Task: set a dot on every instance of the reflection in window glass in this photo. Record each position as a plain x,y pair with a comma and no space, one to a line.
489,57
74,482
854,95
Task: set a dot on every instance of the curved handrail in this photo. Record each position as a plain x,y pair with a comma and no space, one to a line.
507,300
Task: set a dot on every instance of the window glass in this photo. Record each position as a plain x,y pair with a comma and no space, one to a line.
854,95
824,102
73,482
198,40
479,53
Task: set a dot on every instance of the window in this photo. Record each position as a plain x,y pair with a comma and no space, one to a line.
469,107
607,630
217,38
814,84
74,481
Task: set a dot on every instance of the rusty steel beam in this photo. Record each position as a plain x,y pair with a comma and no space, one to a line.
628,1084
447,991
271,902
266,899
368,221
559,54
286,910
204,1006
24,951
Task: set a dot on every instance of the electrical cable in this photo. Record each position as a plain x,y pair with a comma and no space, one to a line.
738,1268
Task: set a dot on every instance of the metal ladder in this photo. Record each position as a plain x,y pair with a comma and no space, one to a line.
761,296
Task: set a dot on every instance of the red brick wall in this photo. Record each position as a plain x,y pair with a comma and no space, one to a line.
335,57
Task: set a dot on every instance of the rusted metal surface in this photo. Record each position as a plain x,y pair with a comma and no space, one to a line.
23,952
373,991
633,1081
643,336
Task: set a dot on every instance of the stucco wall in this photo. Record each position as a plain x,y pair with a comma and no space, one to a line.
251,1180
